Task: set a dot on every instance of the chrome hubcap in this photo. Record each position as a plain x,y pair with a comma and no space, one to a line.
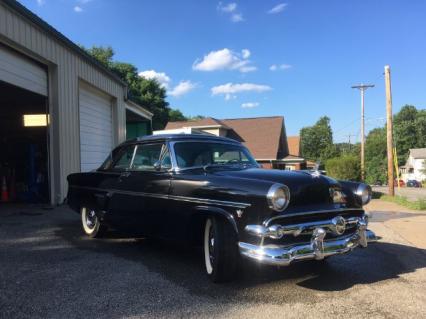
211,245
91,219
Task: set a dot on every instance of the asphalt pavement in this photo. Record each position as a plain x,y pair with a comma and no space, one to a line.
48,269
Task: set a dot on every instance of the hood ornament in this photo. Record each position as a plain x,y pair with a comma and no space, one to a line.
239,213
316,173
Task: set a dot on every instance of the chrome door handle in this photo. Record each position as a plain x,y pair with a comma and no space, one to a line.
125,174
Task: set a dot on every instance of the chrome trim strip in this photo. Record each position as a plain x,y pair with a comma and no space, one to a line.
318,248
267,222
171,197
336,225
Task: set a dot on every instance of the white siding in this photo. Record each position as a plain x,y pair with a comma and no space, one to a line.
95,128
18,70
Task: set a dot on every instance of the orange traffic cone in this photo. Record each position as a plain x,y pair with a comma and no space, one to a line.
4,192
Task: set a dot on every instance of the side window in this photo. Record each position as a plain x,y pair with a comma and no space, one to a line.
125,158
146,156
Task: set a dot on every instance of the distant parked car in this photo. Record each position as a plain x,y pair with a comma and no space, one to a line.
413,183
401,183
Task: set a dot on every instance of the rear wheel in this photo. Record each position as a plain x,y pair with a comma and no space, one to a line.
92,226
220,250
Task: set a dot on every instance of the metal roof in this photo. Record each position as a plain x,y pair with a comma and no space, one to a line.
15,5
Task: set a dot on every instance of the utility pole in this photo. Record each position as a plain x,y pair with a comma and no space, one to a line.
362,88
389,130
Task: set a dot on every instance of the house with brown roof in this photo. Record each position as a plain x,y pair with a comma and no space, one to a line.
265,137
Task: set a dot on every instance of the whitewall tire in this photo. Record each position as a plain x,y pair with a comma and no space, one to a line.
90,222
220,249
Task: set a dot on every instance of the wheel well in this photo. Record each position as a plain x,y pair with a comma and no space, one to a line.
196,225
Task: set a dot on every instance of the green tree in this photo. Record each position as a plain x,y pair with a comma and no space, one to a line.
375,156
346,167
317,140
146,92
348,149
405,131
176,115
420,124
196,118
102,54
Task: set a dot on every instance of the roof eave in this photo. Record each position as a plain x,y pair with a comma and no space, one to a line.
22,10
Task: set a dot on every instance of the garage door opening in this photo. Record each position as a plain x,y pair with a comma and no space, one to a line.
23,145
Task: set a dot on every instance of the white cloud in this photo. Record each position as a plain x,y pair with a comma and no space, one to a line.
247,68
230,7
245,53
225,59
161,77
249,105
230,97
78,9
237,17
276,67
164,80
231,10
41,2
229,89
182,88
278,8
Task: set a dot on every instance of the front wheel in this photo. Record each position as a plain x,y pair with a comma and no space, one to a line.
92,226
220,250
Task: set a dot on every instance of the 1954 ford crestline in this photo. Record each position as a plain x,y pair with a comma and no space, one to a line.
210,190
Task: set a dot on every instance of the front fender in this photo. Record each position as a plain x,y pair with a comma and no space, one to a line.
216,211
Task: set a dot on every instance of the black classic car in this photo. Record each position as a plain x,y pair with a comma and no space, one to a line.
211,191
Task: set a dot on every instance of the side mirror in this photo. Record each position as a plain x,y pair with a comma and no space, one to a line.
157,165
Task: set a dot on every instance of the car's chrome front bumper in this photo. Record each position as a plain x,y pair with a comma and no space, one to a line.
318,248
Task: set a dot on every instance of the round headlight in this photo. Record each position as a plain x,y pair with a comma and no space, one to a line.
364,193
278,197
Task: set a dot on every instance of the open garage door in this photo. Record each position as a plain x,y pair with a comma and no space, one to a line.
24,120
96,129
24,171
22,72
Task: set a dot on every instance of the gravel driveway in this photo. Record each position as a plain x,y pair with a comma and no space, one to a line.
49,270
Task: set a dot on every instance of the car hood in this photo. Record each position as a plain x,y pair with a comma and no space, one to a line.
305,187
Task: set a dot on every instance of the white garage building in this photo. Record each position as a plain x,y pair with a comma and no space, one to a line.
61,111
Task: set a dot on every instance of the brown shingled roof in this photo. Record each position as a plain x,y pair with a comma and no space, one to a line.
261,135
293,145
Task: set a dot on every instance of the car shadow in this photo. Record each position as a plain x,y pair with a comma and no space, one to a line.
184,266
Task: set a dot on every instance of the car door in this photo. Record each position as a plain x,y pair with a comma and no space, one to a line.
142,189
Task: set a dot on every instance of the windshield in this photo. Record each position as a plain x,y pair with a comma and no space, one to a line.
197,154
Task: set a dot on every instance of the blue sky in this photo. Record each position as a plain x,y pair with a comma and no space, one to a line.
296,58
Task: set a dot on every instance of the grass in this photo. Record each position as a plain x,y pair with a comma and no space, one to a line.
419,204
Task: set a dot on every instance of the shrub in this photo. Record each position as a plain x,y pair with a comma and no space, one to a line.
345,167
